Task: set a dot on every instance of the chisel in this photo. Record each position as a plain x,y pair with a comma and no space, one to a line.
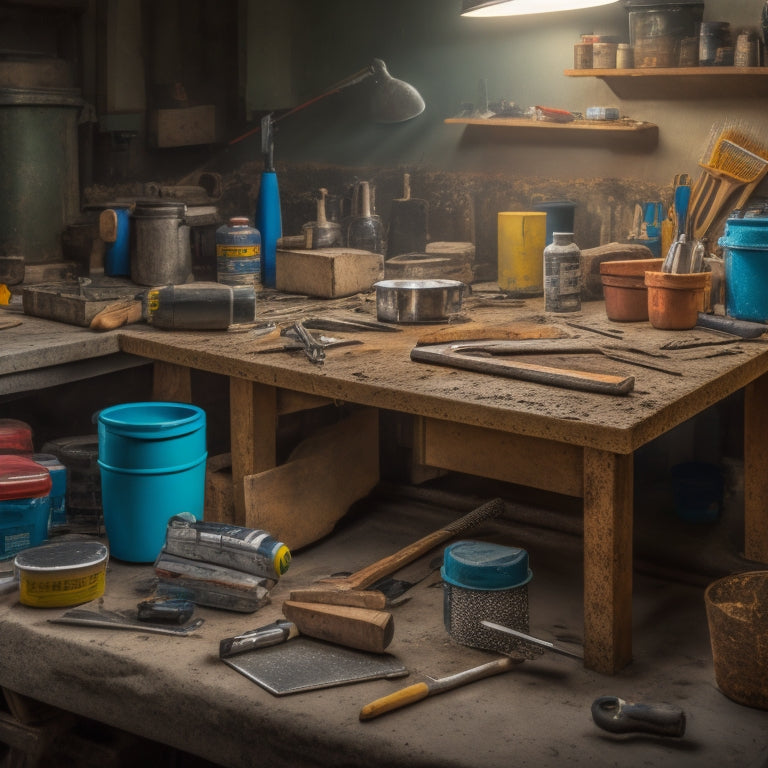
431,687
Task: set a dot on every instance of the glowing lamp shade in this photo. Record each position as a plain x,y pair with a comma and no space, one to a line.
486,8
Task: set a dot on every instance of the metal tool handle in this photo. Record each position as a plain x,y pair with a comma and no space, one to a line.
618,716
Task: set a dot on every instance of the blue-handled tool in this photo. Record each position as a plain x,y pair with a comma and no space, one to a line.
682,198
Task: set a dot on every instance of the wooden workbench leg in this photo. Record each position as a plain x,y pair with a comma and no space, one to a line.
607,560
171,383
756,470
253,434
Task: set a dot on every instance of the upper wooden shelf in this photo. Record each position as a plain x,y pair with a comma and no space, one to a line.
606,126
681,82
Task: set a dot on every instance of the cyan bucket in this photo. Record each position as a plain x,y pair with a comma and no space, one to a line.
138,504
745,249
151,435
152,461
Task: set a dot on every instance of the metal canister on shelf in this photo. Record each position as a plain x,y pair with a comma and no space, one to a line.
604,55
713,35
746,50
582,56
238,253
562,274
625,56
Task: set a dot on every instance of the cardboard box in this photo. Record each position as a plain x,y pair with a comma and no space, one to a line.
328,272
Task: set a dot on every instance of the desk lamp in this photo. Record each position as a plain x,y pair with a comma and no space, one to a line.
391,101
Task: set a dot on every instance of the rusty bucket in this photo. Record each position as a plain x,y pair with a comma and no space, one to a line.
737,612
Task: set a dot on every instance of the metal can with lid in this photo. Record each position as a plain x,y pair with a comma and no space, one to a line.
61,574
486,581
238,253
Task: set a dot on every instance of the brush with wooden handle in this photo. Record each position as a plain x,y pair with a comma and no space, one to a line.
351,590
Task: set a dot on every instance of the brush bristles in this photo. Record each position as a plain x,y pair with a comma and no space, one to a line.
738,162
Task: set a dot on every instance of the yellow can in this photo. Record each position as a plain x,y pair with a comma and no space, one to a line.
62,574
522,239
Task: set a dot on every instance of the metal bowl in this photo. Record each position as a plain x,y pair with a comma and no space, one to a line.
418,301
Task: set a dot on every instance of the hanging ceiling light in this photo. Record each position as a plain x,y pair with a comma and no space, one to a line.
484,8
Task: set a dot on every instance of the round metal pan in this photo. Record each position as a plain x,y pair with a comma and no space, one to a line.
418,301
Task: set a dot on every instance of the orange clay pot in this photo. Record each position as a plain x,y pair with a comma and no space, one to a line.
675,300
624,290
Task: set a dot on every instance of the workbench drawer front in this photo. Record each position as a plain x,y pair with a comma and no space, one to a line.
530,461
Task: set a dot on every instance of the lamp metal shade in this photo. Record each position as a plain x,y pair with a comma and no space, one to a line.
393,100
486,8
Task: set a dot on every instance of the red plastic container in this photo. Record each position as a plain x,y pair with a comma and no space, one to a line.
25,504
22,478
15,437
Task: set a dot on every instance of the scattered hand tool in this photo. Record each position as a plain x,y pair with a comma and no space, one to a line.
483,358
312,347
277,632
489,331
165,609
617,334
120,313
338,325
531,639
745,329
116,620
351,590
361,628
431,687
618,716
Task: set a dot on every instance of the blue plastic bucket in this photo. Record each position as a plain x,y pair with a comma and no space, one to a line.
560,216
138,504
745,249
151,435
152,460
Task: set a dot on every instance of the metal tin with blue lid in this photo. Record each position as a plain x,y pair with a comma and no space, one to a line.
486,581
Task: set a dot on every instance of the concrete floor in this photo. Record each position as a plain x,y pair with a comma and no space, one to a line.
539,713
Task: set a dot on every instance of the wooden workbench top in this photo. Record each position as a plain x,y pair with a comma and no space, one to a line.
378,371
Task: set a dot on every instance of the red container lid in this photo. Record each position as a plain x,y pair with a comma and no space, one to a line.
22,478
15,436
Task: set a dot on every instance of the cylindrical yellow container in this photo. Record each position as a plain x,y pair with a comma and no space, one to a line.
61,574
522,239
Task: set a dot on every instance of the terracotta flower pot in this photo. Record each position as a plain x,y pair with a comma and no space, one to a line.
624,290
675,299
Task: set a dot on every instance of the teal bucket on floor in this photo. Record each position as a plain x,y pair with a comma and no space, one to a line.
152,460
151,435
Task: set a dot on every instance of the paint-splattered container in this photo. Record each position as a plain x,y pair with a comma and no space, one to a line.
62,573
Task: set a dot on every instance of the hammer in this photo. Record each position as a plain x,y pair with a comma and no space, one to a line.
351,590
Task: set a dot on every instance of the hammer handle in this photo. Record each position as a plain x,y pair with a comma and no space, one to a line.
372,573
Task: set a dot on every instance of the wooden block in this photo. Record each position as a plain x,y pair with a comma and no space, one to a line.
183,127
328,272
300,501
592,258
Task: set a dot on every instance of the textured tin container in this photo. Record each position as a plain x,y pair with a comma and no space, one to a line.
161,251
745,252
486,582
61,574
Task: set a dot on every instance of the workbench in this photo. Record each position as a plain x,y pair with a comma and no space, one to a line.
580,444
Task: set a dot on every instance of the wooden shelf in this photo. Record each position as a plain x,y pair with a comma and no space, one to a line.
681,82
622,126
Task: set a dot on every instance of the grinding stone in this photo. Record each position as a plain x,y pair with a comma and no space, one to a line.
303,664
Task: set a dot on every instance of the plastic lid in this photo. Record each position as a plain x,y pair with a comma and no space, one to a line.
482,565
238,221
15,436
62,555
22,478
